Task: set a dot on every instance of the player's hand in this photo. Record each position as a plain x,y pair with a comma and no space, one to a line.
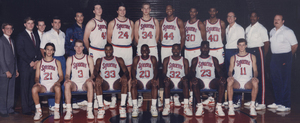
99,79
56,84
223,80
133,81
89,80
194,80
38,84
154,82
68,80
8,74
183,79
254,79
32,64
167,79
17,73
230,79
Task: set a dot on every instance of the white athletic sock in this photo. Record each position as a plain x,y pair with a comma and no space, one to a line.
186,101
38,106
167,101
199,104
95,95
129,94
191,93
56,105
134,102
89,105
154,102
219,104
100,100
123,99
68,106
252,103
230,102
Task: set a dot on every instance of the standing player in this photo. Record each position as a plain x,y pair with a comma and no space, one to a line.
172,32
50,72
120,35
147,31
203,74
175,68
79,65
109,68
242,64
144,76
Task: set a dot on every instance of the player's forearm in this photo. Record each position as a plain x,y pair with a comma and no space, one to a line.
67,77
294,48
37,80
266,48
255,74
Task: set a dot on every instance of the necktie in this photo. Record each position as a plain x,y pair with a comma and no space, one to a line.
32,38
11,45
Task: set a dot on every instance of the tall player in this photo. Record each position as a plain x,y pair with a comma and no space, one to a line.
80,65
109,68
172,32
120,35
203,74
175,69
242,64
50,71
144,76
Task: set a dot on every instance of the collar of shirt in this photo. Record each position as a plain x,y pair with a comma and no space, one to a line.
281,28
40,33
254,25
29,32
53,31
7,37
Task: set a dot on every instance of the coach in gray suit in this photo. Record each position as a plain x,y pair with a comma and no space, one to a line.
8,71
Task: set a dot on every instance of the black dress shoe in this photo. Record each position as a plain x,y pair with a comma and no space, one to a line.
28,113
14,112
4,115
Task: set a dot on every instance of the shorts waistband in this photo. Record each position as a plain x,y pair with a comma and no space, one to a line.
122,46
216,48
194,48
168,46
95,48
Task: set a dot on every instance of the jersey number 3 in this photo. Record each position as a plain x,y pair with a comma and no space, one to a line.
110,74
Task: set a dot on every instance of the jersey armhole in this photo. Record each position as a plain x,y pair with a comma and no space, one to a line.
72,61
251,57
95,25
220,23
114,23
55,63
177,23
41,63
234,60
198,26
87,60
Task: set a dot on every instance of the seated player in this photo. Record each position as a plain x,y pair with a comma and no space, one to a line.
242,65
50,71
144,76
107,71
80,65
203,77
175,67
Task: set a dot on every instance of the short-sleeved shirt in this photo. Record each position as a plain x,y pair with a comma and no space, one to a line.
233,34
57,39
256,35
282,40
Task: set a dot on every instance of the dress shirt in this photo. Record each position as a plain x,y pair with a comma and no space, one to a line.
282,40
12,44
29,33
233,34
40,34
256,35
57,39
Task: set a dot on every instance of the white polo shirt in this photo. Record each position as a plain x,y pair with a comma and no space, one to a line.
282,40
57,39
233,34
256,35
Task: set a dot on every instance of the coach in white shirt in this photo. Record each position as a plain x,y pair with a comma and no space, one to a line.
258,45
283,46
234,32
57,37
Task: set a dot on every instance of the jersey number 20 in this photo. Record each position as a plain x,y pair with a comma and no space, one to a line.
145,73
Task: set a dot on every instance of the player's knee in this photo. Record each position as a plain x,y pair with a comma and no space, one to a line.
124,84
167,83
67,84
57,88
185,83
34,90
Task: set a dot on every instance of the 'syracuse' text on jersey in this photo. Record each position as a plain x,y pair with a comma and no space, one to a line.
48,71
80,69
110,68
213,34
205,68
122,32
147,32
175,68
98,34
171,32
193,34
243,67
144,69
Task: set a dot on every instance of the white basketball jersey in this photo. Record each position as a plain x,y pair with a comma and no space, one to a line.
205,68
98,34
213,34
147,32
193,35
110,69
80,69
243,67
144,69
175,68
171,32
48,71
122,32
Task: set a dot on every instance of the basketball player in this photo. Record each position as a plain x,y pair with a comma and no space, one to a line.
203,74
79,65
144,76
242,63
109,79
172,32
120,35
50,71
147,31
175,68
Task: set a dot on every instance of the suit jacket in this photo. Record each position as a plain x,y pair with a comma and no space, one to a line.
8,60
27,51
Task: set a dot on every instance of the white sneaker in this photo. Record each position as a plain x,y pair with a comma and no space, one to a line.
64,105
75,106
253,111
38,114
225,104
160,102
96,104
191,100
51,108
176,100
166,110
187,111
56,114
237,105
106,102
273,105
82,103
154,111
68,115
90,114
122,111
135,111
113,102
247,103
231,110
101,113
140,101
209,101
199,111
129,101
283,108
219,111
260,107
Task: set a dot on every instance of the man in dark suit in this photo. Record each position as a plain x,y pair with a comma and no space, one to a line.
27,45
8,71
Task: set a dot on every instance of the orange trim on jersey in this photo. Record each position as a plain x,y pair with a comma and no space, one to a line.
262,76
114,23
48,61
87,60
166,46
122,46
95,48
192,49
176,60
95,25
79,58
108,59
244,55
192,23
122,21
99,20
216,48
146,59
171,20
213,23
146,20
